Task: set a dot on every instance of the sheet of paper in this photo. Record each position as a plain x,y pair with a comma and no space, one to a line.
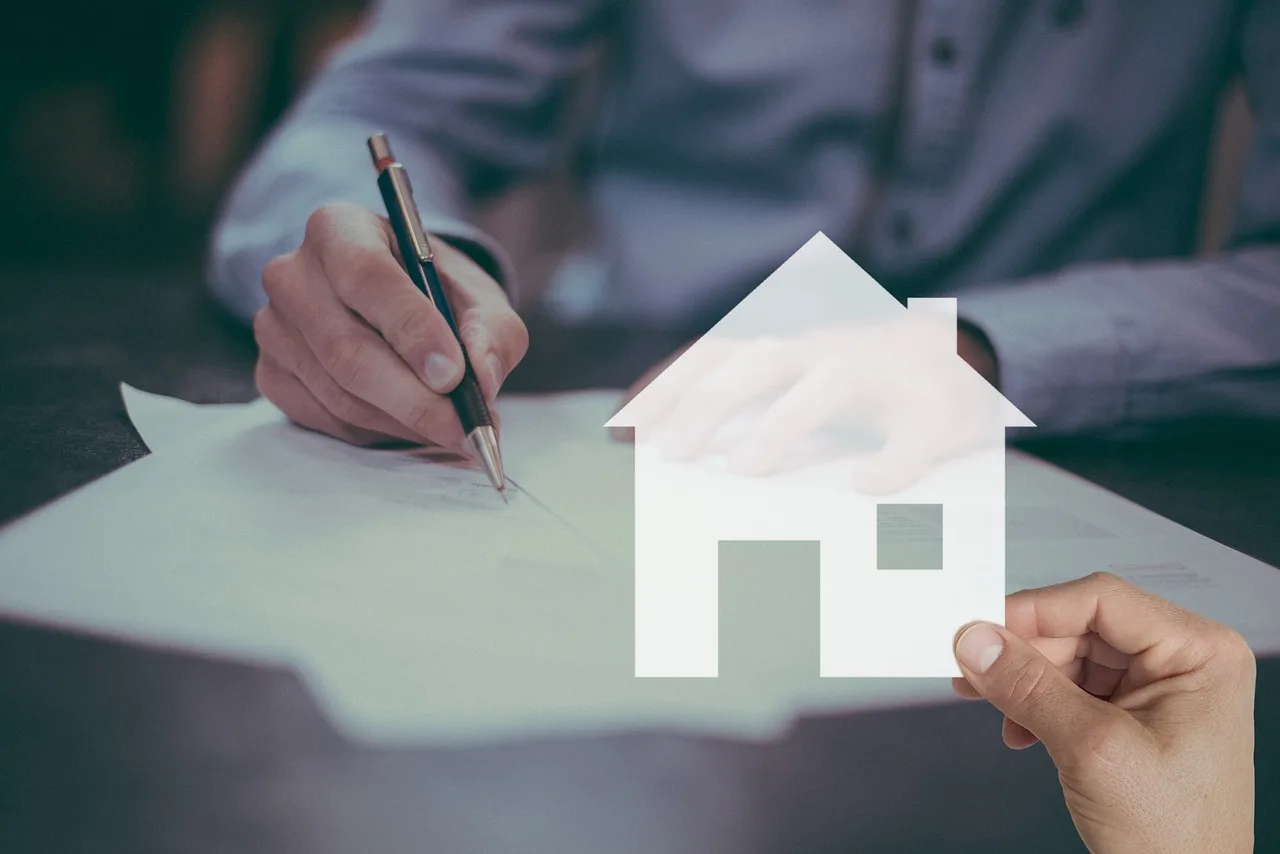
1062,527
163,422
422,609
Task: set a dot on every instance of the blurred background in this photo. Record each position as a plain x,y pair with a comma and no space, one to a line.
124,123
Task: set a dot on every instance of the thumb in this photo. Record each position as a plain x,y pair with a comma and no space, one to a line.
1031,691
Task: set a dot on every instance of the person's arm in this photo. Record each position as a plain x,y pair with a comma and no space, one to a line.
1115,345
469,92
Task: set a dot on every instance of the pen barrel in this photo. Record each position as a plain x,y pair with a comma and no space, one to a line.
467,397
468,400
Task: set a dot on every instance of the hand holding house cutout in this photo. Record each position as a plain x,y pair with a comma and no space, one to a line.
1129,694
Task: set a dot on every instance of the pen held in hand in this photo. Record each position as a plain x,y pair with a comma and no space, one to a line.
419,262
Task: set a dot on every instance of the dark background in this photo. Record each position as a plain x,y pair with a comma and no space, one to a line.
124,122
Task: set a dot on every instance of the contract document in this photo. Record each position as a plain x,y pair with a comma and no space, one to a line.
421,608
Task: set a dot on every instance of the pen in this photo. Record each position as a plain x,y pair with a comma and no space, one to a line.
419,263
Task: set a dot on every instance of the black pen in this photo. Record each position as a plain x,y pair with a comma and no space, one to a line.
419,262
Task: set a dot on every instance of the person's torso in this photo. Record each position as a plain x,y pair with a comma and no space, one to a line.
942,143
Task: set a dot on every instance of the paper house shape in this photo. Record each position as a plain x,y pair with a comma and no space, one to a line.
880,614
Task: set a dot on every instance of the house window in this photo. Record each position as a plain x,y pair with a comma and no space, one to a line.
909,536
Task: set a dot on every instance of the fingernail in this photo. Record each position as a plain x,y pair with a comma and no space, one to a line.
979,647
441,372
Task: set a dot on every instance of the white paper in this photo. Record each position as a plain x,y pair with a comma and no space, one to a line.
1061,527
163,422
421,609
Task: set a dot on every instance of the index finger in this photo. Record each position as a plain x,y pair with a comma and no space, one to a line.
1131,620
360,260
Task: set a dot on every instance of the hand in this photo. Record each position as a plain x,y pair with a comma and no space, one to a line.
901,379
348,346
1146,709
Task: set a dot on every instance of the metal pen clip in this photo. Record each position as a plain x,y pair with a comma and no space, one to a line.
385,161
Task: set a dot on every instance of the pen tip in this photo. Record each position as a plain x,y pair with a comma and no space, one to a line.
484,442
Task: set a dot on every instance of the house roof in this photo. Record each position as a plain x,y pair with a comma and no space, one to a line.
819,286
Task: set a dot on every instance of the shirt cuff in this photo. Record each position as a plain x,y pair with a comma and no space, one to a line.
1060,360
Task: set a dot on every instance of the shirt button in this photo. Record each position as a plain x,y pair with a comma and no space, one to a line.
901,228
943,52
1066,13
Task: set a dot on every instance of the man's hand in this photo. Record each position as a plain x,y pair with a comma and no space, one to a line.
901,380
348,346
1146,709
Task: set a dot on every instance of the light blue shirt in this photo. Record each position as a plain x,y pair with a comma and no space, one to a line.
1043,161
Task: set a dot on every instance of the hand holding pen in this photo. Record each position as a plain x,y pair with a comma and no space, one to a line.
349,346
418,256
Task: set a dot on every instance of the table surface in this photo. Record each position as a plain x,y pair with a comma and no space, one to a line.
111,747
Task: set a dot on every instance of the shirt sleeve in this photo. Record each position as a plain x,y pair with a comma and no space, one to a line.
469,92
1118,345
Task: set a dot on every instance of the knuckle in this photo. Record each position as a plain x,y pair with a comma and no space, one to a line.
410,327
347,361
364,272
477,335
511,330
277,275
341,405
1232,646
270,384
326,220
1107,581
1023,682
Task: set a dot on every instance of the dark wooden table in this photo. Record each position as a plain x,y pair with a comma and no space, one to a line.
111,747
